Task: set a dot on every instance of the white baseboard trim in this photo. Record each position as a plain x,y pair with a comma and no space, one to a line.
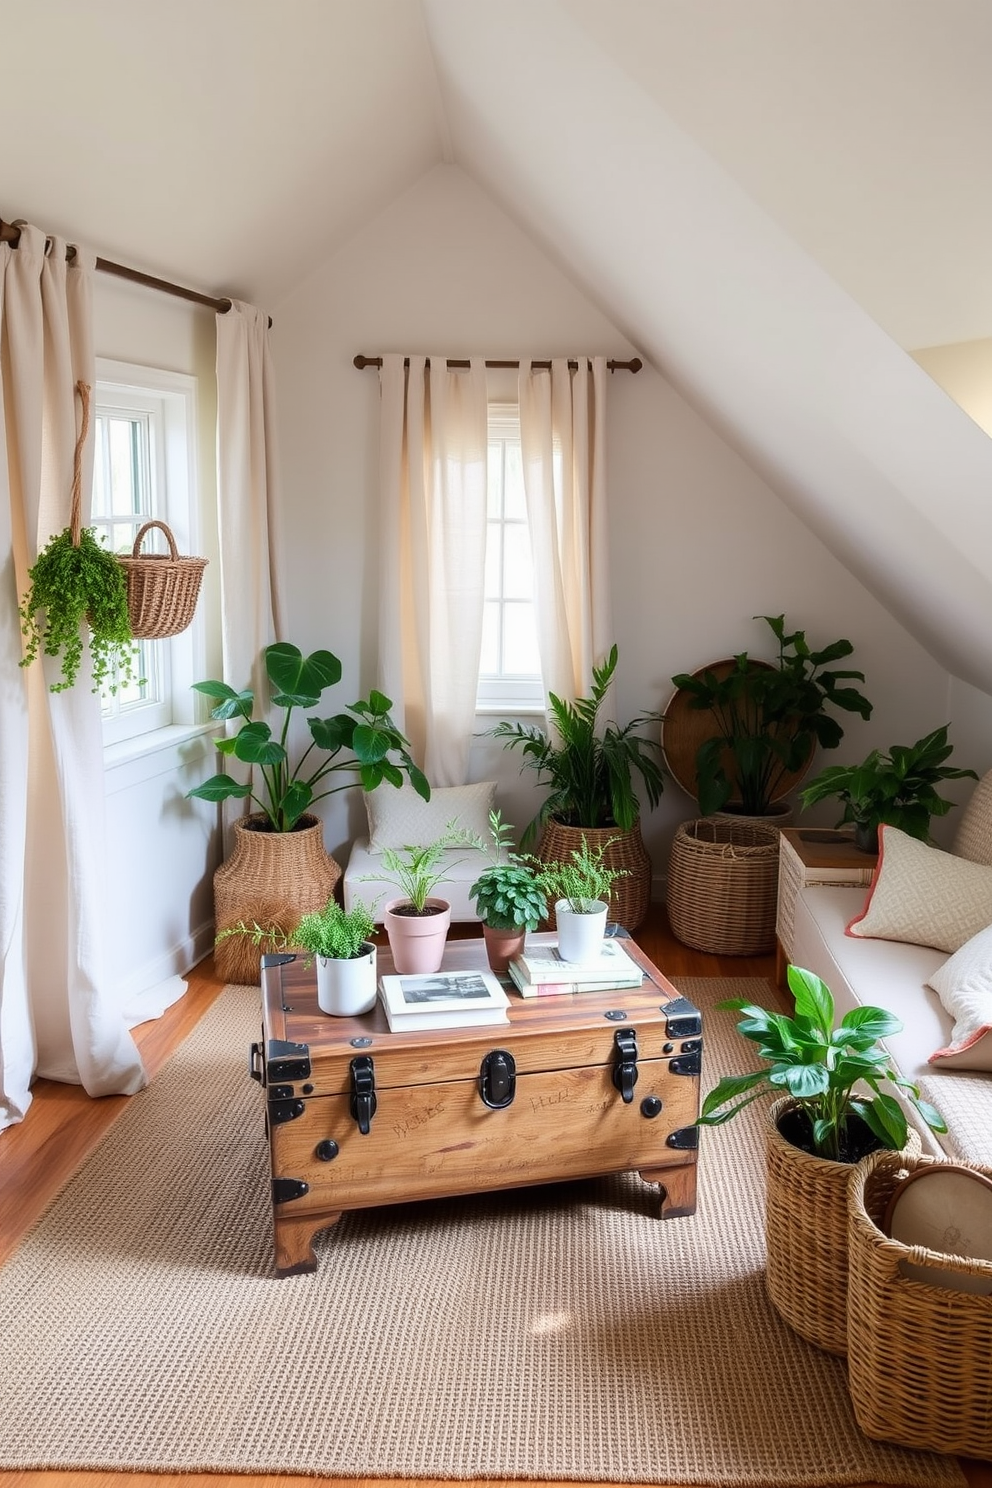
176,961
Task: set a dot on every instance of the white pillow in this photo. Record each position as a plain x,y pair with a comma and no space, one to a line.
398,817
924,896
964,985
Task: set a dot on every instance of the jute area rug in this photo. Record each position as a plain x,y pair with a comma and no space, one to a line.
558,1332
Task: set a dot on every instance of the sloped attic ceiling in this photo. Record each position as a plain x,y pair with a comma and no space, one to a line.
866,449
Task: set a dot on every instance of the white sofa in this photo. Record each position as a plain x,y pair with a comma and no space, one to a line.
894,974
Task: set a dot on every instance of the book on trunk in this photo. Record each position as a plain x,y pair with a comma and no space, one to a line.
442,999
541,962
556,989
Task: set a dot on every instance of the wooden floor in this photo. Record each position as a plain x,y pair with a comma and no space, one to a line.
64,1125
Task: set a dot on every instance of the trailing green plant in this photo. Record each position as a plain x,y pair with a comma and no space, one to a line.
832,1074
81,592
332,932
507,894
417,870
589,770
769,718
898,787
364,741
583,878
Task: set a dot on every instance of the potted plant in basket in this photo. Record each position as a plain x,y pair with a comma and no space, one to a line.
417,923
898,788
765,720
590,771
279,869
508,896
580,886
340,941
832,1110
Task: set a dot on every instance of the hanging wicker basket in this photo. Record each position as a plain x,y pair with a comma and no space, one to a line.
162,589
722,886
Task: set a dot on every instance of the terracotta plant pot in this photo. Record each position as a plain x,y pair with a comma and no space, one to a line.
502,946
270,878
417,941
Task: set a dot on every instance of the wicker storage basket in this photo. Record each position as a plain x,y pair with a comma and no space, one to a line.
806,1228
630,896
271,878
162,590
919,1356
722,886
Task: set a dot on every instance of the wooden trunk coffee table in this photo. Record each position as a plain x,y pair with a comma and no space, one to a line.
573,1086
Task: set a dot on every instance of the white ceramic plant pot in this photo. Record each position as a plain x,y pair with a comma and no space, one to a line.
580,936
347,988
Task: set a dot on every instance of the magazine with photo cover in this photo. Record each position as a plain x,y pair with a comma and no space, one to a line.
442,999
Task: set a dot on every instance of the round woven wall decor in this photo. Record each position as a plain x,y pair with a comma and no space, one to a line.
685,728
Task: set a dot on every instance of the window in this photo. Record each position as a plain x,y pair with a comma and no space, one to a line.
143,469
510,667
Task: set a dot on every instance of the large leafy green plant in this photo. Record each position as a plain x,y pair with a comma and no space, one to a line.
832,1074
362,742
898,788
589,770
768,719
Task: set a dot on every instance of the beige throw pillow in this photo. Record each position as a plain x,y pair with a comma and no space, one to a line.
924,896
398,818
964,985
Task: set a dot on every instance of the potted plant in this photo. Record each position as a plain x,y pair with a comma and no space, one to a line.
832,1110
765,720
508,897
339,940
580,887
416,923
590,771
898,787
279,869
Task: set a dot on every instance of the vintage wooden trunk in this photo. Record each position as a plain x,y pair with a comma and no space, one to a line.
574,1086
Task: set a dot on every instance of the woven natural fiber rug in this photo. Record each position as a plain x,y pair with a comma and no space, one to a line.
560,1332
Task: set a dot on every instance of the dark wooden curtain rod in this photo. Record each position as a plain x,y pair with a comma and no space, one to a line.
10,233
361,362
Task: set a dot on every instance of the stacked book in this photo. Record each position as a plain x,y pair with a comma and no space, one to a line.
444,999
539,970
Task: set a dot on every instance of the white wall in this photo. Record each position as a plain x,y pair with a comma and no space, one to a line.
700,543
162,848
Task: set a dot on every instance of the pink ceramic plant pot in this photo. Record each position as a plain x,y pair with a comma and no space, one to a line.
417,941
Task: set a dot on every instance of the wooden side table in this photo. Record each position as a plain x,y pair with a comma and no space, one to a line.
808,857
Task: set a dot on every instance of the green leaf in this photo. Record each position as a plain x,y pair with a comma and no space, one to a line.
256,746
295,675
813,998
220,788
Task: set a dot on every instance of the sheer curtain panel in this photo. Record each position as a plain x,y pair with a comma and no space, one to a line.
563,445
432,543
57,1018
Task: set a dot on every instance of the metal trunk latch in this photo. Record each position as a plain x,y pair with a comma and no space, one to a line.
625,1063
363,1100
498,1079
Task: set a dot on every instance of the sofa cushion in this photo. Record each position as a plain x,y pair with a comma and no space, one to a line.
964,985
924,896
973,838
400,818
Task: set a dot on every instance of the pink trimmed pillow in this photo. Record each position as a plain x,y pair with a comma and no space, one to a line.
964,985
924,896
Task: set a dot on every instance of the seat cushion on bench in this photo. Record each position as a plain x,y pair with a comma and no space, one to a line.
461,867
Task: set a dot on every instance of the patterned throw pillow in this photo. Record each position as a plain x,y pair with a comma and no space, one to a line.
398,818
924,896
964,985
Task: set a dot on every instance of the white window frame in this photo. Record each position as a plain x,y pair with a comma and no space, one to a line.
508,692
168,399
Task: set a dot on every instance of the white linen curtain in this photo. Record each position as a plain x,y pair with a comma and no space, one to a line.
563,445
432,542
57,1018
247,494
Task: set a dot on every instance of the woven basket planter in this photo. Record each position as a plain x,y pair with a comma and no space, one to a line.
630,897
919,1356
270,879
162,590
806,1225
722,886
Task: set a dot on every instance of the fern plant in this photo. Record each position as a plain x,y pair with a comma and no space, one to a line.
416,871
583,879
590,771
